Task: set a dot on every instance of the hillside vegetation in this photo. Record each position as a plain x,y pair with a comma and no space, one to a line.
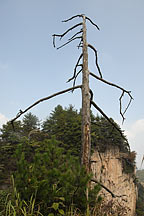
140,175
140,184
44,159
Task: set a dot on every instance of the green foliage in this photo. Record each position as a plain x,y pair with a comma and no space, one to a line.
128,162
10,137
140,175
47,169
104,135
53,175
65,124
140,185
10,134
30,122
9,140
3,197
140,201
15,206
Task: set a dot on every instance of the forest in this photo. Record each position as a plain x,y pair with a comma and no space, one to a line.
40,168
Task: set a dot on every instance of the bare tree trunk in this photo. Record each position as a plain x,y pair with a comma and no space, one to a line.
86,139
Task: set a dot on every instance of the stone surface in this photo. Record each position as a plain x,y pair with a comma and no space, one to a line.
107,169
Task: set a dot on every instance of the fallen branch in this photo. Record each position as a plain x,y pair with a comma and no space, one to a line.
95,51
43,99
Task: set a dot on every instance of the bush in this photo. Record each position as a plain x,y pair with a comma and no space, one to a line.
46,170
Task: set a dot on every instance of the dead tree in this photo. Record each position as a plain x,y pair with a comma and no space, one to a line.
87,94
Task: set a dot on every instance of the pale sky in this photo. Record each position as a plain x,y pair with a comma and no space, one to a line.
30,68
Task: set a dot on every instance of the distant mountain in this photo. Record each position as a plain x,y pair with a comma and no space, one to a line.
140,185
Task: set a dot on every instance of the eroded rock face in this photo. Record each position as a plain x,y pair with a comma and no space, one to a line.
107,169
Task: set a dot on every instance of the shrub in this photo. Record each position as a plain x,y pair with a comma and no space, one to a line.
47,170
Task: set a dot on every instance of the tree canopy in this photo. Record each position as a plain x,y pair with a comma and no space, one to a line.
65,125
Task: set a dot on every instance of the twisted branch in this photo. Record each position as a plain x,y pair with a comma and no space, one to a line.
76,34
77,64
80,43
79,15
62,35
109,83
92,23
76,77
120,99
69,42
41,100
128,104
122,95
90,46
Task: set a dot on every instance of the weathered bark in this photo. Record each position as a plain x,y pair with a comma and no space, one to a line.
86,139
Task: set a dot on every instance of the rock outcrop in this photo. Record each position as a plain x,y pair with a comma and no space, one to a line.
108,169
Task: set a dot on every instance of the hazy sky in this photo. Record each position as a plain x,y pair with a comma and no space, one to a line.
30,68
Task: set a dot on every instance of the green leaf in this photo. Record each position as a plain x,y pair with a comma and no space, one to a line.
62,198
55,206
61,211
50,214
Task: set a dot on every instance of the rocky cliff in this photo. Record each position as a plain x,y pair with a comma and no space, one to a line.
108,169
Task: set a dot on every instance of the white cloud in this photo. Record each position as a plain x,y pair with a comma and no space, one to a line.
3,120
135,135
135,129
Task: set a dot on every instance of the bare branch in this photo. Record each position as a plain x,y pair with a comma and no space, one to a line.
69,42
77,64
43,99
91,98
107,189
90,46
109,83
128,103
120,99
76,77
93,23
54,40
76,34
62,35
79,15
80,44
108,119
